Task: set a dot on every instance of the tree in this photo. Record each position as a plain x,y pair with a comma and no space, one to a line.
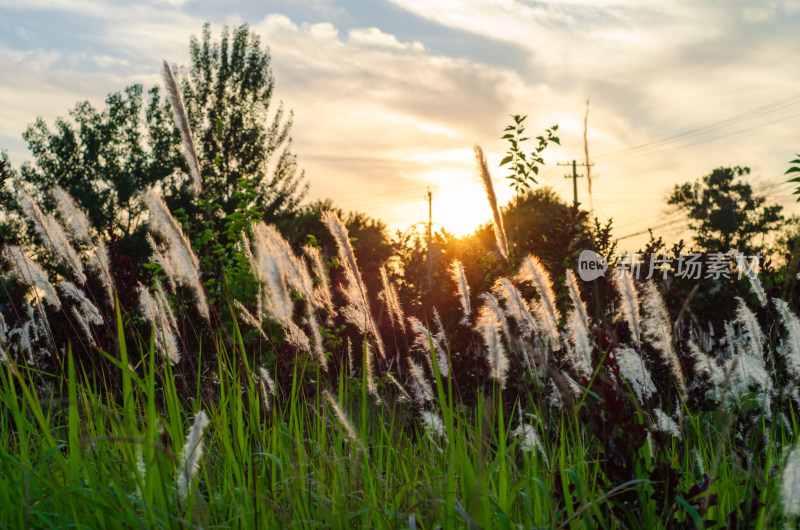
725,213
104,159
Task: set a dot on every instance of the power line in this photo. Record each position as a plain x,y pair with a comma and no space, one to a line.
766,109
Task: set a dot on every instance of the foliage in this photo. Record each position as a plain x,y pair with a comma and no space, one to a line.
725,213
524,167
106,158
795,169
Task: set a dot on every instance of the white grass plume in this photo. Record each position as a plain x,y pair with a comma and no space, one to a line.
323,289
392,301
433,425
529,440
791,345
155,308
581,352
752,276
532,270
665,424
457,272
500,316
99,262
267,386
31,274
54,237
633,369
182,122
271,267
577,301
316,336
658,331
358,313
73,217
84,325
499,230
344,421
182,260
423,338
488,327
191,454
790,486
250,319
423,391
516,306
87,308
628,303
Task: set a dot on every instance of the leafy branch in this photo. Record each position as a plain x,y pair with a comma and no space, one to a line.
524,167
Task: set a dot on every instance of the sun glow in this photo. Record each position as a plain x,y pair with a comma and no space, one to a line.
461,212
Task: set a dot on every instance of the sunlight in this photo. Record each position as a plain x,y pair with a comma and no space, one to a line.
461,212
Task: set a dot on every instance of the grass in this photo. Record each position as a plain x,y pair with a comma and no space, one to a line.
71,460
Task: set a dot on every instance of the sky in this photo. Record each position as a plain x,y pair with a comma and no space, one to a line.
389,96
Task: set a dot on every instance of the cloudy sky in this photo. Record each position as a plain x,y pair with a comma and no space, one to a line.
390,95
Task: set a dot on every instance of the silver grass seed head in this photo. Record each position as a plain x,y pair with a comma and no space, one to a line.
182,123
486,177
191,455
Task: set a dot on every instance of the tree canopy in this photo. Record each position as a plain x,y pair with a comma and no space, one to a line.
724,212
106,158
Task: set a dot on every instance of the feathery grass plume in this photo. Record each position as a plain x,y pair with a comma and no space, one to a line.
665,424
297,337
516,306
790,490
182,260
441,337
658,331
84,325
31,274
421,387
323,289
88,309
433,425
392,301
271,267
581,352
156,310
487,325
264,373
369,368
791,345
705,364
750,326
405,397
351,366
574,387
182,122
633,369
423,338
457,272
529,441
249,319
752,276
358,312
344,421
628,303
577,301
73,217
500,316
532,270
316,336
100,263
53,236
499,231
266,385
190,457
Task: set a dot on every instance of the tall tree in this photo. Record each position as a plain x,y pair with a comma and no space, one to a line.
105,158
725,213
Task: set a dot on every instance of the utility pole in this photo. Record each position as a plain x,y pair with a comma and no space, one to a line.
574,177
429,257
